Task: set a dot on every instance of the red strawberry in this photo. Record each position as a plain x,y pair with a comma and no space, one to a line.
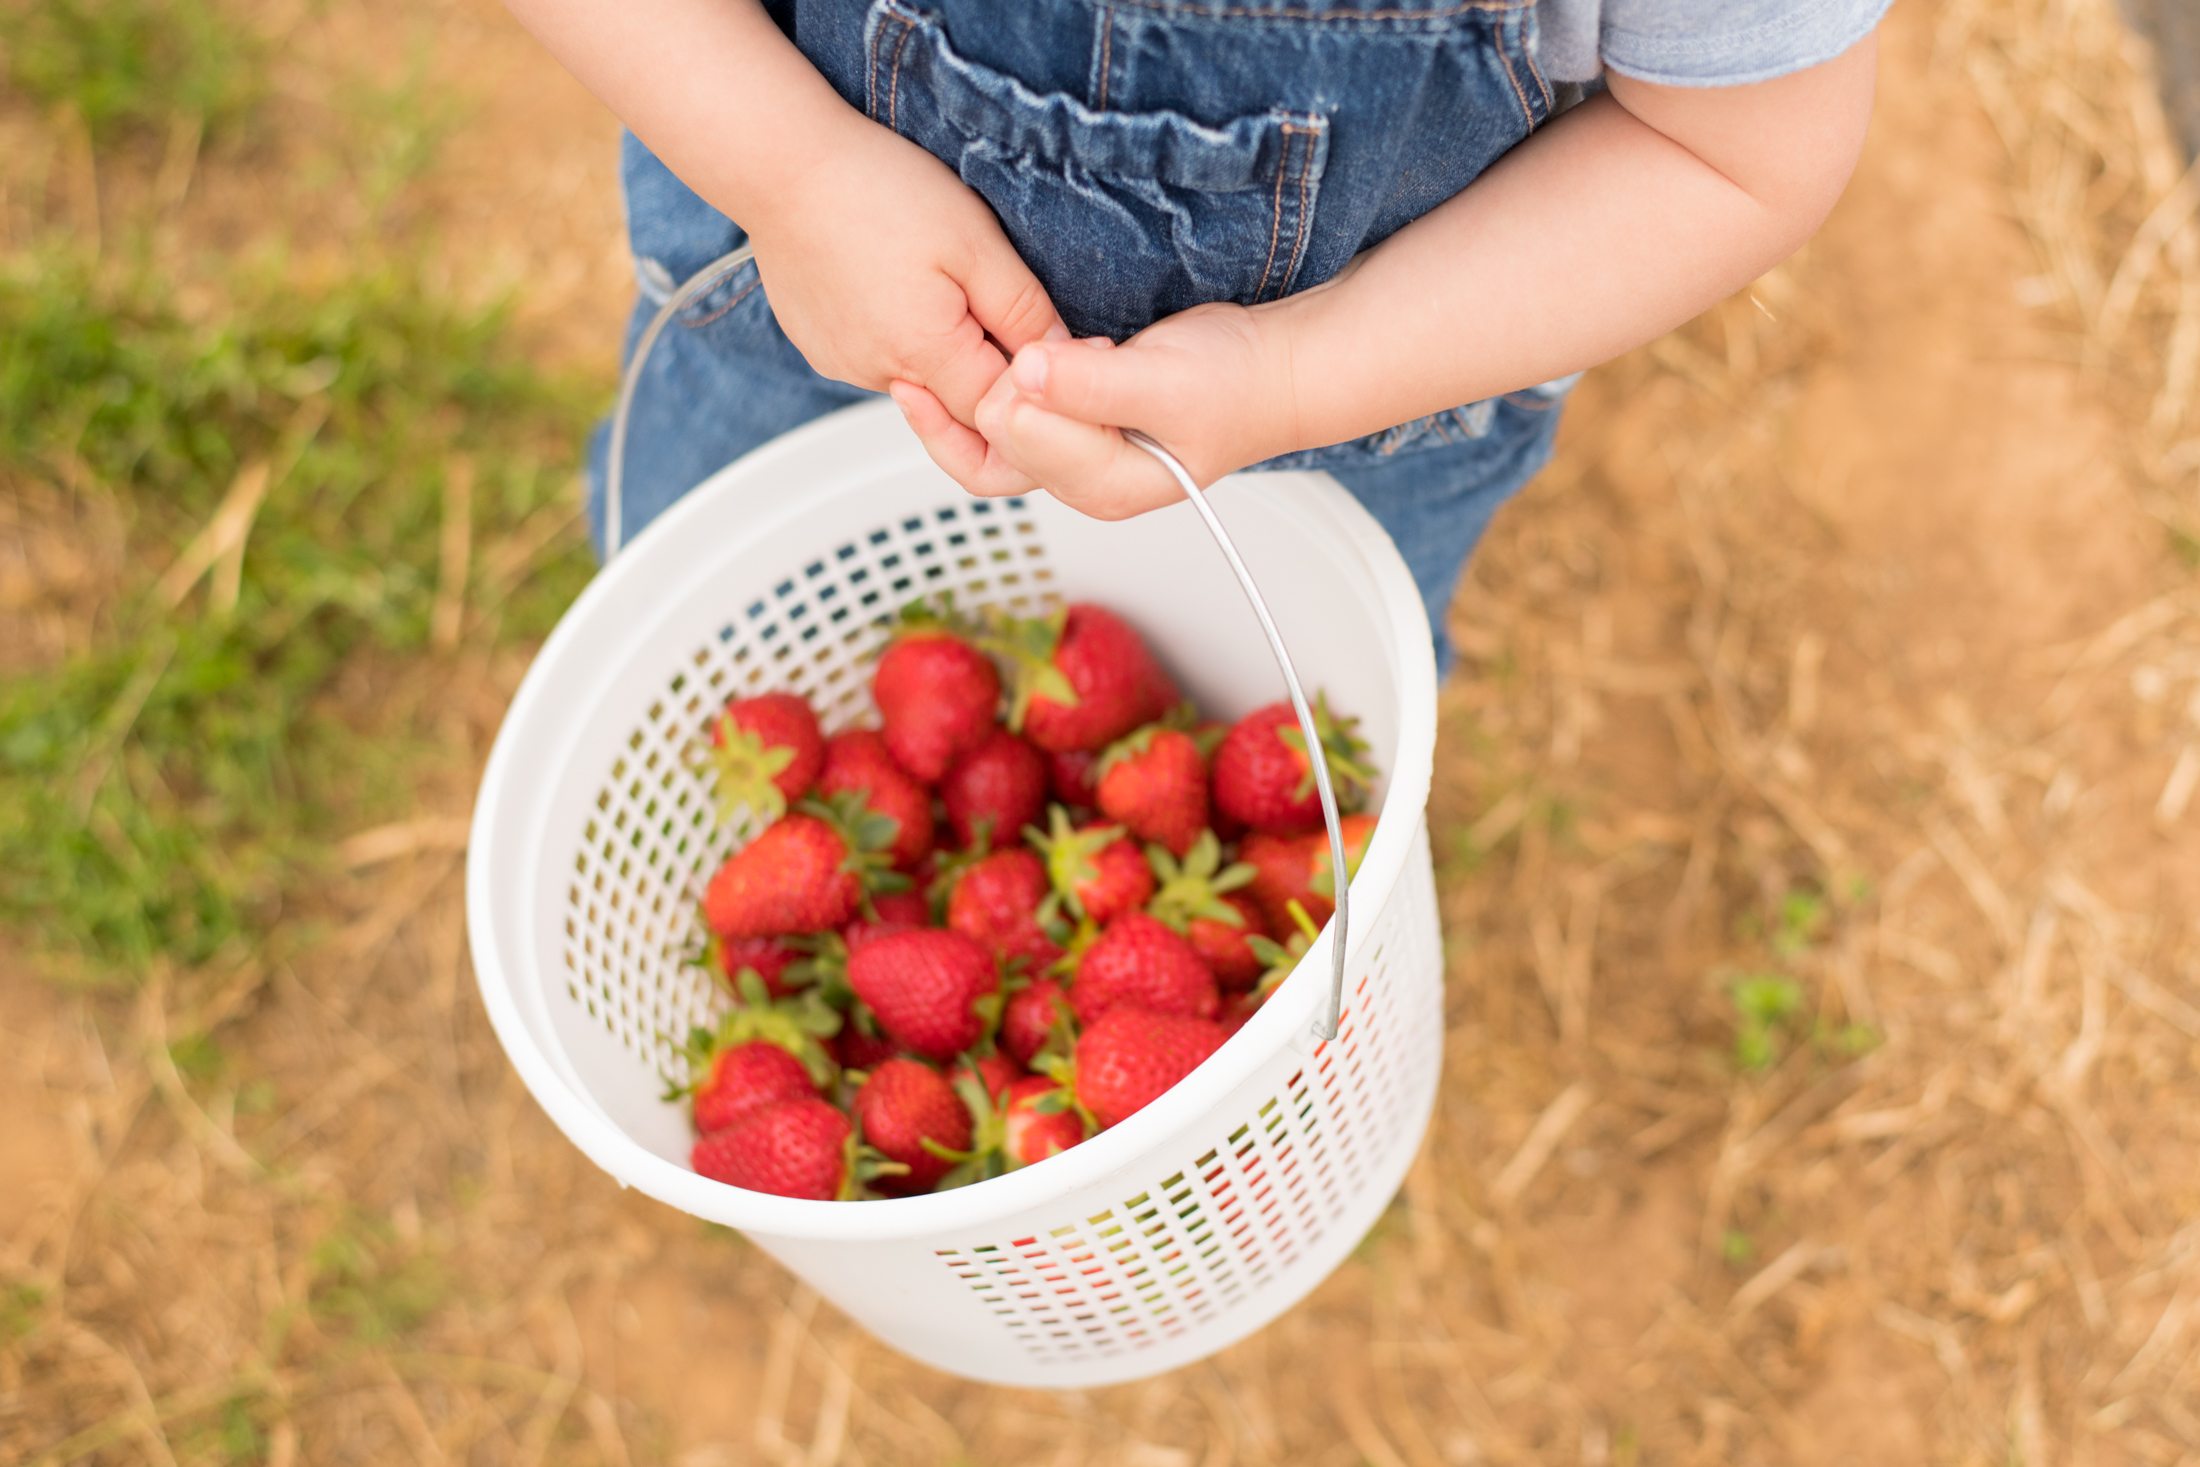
768,751
761,1051
1131,1057
1096,872
767,957
1238,1010
1282,866
996,901
1155,782
1263,777
1205,905
898,911
858,760
858,1049
744,1077
936,695
999,787
1226,946
1080,679
1320,898
790,1148
995,1072
900,1107
805,873
925,987
1070,775
1140,963
1030,1018
1038,1121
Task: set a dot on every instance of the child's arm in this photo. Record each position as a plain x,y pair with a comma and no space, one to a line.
881,264
1622,219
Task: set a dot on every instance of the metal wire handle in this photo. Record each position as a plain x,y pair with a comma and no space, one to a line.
1325,1024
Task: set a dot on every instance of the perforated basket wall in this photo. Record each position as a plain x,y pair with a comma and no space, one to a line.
1165,1238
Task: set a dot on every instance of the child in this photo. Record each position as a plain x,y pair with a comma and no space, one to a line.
1270,233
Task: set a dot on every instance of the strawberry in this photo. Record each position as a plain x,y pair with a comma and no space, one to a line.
994,1072
1096,872
1131,1057
926,986
858,760
767,751
1079,679
995,790
936,695
767,957
756,1054
996,901
1320,898
897,911
1154,782
857,1048
1070,776
1138,962
1263,777
1280,959
808,871
744,1077
1226,946
791,1148
1038,1121
1282,866
1034,1017
1238,1010
902,1107
1204,904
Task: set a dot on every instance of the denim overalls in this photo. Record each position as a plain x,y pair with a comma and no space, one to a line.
1144,156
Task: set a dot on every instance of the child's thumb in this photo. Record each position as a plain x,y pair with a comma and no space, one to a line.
1008,300
1117,389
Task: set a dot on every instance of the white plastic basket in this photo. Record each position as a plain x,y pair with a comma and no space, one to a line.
1178,1232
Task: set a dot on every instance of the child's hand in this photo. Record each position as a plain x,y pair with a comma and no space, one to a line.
882,267
1213,385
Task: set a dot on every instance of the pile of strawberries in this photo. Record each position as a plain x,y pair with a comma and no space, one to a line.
1031,901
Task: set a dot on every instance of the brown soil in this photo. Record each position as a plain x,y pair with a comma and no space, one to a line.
1859,586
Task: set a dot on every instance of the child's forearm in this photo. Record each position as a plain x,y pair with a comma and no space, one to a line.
713,87
1623,219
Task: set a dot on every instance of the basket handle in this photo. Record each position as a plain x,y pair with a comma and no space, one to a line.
1325,1024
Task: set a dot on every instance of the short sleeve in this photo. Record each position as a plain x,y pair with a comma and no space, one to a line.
1728,43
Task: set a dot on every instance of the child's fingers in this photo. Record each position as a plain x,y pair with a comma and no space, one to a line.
1090,468
961,454
1127,389
962,373
1008,299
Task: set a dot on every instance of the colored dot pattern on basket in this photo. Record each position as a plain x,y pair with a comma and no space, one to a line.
1207,1236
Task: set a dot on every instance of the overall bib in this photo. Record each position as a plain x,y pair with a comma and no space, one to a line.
1144,156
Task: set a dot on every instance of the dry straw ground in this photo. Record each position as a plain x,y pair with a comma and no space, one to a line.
1849,654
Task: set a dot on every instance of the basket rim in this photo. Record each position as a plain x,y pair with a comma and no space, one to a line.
499,830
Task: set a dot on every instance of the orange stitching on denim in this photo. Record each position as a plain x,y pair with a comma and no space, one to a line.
729,305
1527,113
1275,217
1298,251
893,92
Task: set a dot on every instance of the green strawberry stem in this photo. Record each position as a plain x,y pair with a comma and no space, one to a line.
1025,647
1193,887
1349,774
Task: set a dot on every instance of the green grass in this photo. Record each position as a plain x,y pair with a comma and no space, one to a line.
163,792
134,65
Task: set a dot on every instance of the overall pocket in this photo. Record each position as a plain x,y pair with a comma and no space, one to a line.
1125,217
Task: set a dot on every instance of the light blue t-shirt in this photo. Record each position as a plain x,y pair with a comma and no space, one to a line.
1696,43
